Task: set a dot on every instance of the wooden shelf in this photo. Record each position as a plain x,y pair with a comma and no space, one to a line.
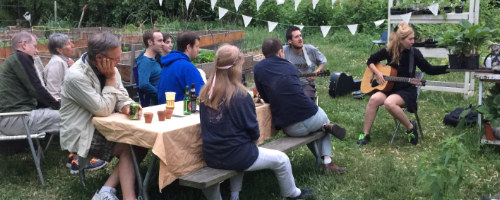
452,18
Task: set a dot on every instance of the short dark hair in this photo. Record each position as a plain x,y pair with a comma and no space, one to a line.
166,36
289,32
186,38
148,35
271,46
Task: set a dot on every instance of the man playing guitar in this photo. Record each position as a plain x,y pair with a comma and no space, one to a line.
305,58
401,56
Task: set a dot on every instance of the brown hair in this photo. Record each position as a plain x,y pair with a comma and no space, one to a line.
148,35
228,83
402,31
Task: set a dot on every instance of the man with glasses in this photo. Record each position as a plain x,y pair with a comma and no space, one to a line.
22,90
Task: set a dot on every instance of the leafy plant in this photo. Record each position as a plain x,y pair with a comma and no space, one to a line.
441,172
466,39
491,107
204,56
125,48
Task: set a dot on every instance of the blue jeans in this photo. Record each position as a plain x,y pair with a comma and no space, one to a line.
310,125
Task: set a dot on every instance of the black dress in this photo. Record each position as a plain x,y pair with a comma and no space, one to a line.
407,91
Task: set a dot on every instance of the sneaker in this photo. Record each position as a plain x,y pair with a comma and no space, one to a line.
304,193
70,160
335,130
105,196
363,139
333,168
413,134
93,165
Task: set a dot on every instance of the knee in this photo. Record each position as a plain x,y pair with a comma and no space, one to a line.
374,102
282,159
390,105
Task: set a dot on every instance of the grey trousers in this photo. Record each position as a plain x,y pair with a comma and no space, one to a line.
40,120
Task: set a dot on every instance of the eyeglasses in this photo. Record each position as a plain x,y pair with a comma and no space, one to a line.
114,59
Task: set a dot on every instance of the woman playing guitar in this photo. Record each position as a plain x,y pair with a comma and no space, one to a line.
398,53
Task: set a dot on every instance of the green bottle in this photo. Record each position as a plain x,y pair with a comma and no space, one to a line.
187,102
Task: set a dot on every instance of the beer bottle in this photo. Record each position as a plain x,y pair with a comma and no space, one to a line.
193,98
187,101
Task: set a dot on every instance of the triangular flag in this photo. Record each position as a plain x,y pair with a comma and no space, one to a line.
333,2
297,2
314,3
434,8
300,26
212,3
379,22
259,2
187,4
352,28
246,20
161,1
271,25
279,2
222,12
237,4
324,30
406,17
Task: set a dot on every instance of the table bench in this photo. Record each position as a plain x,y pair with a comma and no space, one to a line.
207,178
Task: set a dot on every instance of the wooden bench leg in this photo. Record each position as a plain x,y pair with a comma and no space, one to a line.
212,192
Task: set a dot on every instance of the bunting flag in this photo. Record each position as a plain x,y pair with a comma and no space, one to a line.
314,3
237,4
297,2
271,25
300,26
187,4
279,2
434,8
352,28
324,30
379,22
222,12
406,17
259,2
246,20
212,3
161,1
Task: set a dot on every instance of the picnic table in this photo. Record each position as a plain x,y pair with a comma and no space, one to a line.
176,141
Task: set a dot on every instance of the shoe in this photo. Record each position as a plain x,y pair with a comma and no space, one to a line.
335,130
363,139
413,134
333,168
70,160
304,193
105,196
93,165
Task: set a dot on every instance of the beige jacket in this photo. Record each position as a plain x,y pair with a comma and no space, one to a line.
81,100
53,74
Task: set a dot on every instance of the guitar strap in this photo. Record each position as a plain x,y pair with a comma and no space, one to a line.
412,72
306,57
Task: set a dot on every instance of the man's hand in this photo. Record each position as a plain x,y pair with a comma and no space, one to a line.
106,68
126,110
313,78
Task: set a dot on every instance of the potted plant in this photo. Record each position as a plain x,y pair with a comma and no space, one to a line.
490,110
464,43
460,7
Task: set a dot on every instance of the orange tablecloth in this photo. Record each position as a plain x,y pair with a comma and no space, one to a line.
177,141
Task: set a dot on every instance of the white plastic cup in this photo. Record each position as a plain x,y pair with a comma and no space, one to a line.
487,64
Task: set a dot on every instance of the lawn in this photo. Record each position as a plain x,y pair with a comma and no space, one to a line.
375,171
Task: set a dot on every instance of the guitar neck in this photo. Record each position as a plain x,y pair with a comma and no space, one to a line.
397,79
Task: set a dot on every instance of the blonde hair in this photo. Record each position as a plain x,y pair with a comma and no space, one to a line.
403,30
228,81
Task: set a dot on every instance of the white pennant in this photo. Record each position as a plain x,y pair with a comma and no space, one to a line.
297,2
406,17
434,8
246,20
279,2
237,4
222,12
314,3
352,28
325,29
300,26
187,4
379,22
161,1
259,2
271,25
212,3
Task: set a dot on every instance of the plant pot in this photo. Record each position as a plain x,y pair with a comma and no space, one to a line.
488,132
459,9
470,62
455,61
419,44
447,9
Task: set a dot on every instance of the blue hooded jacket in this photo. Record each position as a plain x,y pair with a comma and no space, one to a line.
177,72
149,71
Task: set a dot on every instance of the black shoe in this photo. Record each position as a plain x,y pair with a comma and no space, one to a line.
304,193
413,134
363,139
335,130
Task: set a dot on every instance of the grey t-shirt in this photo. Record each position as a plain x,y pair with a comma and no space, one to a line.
316,58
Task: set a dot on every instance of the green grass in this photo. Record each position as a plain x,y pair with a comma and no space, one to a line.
375,171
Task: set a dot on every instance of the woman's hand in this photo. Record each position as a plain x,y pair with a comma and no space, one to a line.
380,78
70,62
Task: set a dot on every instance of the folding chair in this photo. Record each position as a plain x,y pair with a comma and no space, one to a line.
37,155
382,41
418,75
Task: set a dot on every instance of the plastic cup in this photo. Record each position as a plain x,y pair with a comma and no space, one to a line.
170,99
148,117
161,115
169,112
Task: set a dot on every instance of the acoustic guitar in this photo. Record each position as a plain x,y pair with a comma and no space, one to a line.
369,84
318,74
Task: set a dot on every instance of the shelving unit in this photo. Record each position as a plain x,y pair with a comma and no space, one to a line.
467,87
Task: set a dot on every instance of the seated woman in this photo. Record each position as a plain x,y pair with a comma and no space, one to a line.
397,54
230,130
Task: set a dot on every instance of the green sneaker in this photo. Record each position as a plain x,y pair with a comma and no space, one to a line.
363,139
413,134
